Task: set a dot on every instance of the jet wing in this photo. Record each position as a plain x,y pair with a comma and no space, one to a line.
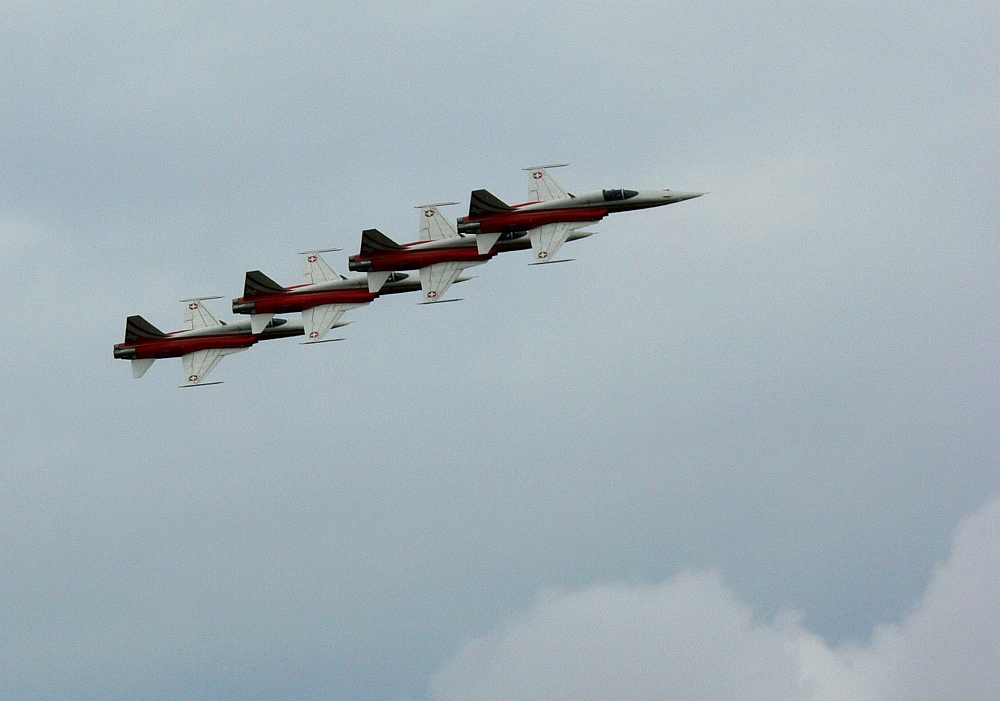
548,239
197,365
542,186
317,270
317,321
197,316
436,279
435,226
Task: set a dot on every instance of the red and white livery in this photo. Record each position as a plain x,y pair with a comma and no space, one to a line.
322,298
440,254
201,344
551,213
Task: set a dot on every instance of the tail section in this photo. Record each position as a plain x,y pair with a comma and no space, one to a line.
137,328
257,283
482,202
373,240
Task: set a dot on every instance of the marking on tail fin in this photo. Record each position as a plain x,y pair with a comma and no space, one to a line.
137,328
257,283
374,240
483,202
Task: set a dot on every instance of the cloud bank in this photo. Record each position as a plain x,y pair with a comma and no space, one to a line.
691,637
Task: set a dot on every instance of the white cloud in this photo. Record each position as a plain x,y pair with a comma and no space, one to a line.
692,638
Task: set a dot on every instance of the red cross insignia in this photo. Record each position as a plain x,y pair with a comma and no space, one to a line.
537,174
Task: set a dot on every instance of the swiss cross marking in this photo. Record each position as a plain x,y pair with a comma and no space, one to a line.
537,174
432,294
311,259
193,305
192,378
428,212
543,254
314,334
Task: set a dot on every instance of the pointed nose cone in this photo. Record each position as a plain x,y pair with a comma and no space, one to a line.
679,196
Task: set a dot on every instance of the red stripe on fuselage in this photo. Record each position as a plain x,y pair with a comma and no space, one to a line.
412,259
176,347
532,219
288,302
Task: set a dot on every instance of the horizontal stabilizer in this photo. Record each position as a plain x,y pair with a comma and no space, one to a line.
259,322
377,279
140,366
374,240
484,242
483,202
257,283
136,328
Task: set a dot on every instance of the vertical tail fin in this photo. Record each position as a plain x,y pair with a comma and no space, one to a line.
137,328
257,283
373,240
483,202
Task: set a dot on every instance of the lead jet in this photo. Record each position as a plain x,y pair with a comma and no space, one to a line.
201,344
551,213
440,254
322,298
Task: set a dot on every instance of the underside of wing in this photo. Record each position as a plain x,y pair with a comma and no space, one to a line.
436,279
547,240
317,321
199,364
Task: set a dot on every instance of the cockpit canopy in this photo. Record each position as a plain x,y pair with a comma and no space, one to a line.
615,195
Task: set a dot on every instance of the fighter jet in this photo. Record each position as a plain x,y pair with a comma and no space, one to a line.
201,344
440,254
322,299
552,214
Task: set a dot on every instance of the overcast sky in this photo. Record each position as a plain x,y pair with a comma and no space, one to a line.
745,446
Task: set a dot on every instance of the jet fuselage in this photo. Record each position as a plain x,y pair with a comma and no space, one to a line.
588,207
233,335
297,298
419,254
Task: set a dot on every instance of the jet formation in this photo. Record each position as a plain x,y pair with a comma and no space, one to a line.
441,254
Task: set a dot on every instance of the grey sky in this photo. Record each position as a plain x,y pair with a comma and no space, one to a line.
790,382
